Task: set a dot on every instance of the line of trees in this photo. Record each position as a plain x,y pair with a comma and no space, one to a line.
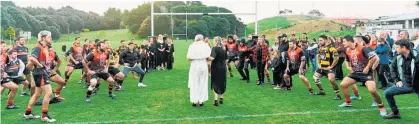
68,20
59,21
138,20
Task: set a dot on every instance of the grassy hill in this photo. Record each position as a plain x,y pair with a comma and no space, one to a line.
275,26
269,23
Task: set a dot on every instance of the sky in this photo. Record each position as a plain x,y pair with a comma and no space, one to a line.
265,8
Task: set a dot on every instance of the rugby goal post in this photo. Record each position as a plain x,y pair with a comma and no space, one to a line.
199,14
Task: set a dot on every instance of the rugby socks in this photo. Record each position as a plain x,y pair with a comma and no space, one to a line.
44,112
119,82
310,90
110,88
9,102
28,111
267,76
66,77
319,85
337,91
356,93
347,100
89,92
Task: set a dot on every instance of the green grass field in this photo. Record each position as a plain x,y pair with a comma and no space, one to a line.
166,100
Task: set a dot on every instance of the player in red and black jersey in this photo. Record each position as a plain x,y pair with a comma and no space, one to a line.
76,55
97,64
40,57
296,65
86,47
22,54
360,60
231,52
244,56
11,69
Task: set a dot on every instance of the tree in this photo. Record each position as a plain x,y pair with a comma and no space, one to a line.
285,12
62,23
417,3
316,13
18,17
211,24
3,33
197,3
124,17
55,33
197,27
50,21
6,19
222,27
161,26
138,15
7,3
94,22
113,18
76,24
11,33
134,27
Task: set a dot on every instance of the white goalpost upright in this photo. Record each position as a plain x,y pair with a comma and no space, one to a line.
197,14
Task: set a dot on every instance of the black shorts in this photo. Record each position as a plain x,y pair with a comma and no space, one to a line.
26,71
102,75
5,80
360,77
113,71
295,71
231,59
41,80
76,66
18,80
325,72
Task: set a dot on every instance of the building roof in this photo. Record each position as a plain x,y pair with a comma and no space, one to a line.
401,17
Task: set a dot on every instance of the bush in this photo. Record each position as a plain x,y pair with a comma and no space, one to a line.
85,30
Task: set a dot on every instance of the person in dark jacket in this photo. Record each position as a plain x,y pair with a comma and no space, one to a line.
251,43
170,49
277,70
382,51
130,59
244,56
341,50
403,71
152,49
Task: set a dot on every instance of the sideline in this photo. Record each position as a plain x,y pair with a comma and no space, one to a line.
237,116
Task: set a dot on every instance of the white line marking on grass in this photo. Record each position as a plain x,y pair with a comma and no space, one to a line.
236,116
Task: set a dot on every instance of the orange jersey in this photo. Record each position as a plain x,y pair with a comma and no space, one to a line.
97,60
42,54
295,57
77,52
231,49
359,57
